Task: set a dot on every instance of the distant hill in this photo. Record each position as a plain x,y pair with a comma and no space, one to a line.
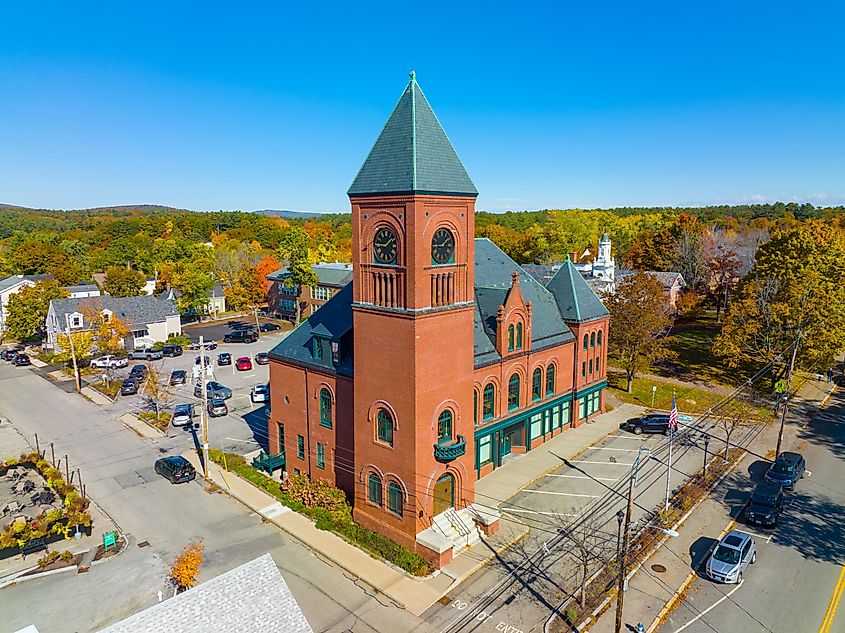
123,208
291,215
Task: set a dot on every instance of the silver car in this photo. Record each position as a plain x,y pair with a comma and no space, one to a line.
183,415
732,556
260,393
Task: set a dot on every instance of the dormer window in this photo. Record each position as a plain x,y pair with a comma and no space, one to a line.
317,348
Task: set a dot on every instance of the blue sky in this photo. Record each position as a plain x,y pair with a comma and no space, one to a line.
275,105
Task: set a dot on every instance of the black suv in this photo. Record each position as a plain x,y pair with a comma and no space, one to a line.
129,387
138,372
787,470
172,350
176,468
224,358
765,505
649,423
240,336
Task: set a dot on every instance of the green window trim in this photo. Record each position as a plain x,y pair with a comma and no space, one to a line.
598,338
384,422
325,408
550,380
513,392
374,489
519,336
593,339
394,498
475,407
583,369
321,455
537,385
586,341
300,447
444,427
591,365
510,337
489,401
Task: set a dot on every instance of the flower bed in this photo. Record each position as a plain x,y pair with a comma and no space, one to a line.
103,553
326,505
161,422
52,525
55,560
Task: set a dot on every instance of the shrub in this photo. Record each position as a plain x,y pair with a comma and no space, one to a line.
185,567
571,614
65,556
48,559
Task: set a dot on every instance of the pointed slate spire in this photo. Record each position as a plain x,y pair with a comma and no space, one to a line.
412,154
575,299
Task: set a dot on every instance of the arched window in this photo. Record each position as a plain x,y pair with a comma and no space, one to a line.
510,337
475,407
489,401
598,338
444,426
593,339
394,498
519,336
325,408
385,427
374,489
513,392
550,380
586,341
537,384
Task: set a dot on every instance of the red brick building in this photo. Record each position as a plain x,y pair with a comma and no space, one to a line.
441,360
283,295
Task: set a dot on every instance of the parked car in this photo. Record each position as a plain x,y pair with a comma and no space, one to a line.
172,350
199,359
178,377
269,327
109,361
205,345
262,358
787,469
243,363
138,372
765,505
146,353
732,556
217,407
649,423
214,390
224,358
260,393
8,354
21,360
175,468
129,387
240,336
183,415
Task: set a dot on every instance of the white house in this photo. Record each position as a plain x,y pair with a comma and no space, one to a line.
82,290
13,285
148,319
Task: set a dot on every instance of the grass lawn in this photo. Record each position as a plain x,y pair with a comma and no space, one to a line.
689,399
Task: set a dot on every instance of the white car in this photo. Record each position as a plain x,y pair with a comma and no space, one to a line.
109,361
260,393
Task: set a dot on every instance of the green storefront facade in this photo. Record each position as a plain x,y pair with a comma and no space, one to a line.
516,433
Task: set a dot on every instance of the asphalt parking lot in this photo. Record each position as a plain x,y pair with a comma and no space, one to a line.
244,428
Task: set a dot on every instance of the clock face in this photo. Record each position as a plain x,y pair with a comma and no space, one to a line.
442,247
385,246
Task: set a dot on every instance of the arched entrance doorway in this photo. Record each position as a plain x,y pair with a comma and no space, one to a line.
444,494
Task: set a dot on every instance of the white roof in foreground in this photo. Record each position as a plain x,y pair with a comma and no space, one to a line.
252,598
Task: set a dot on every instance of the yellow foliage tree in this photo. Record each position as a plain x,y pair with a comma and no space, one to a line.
186,567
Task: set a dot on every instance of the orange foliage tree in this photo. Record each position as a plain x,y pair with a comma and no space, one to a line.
267,265
186,567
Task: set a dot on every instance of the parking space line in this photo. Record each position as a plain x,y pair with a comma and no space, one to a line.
711,607
586,461
561,494
526,511
583,477
611,448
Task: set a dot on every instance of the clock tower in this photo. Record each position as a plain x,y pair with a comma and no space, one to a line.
413,211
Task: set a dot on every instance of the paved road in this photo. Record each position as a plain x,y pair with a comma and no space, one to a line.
532,580
117,470
799,563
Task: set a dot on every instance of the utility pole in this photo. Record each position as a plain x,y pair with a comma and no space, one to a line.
786,393
706,441
72,353
623,554
204,413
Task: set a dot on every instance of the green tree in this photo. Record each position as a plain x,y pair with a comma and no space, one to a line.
796,288
27,309
83,344
639,321
301,274
194,284
156,389
124,282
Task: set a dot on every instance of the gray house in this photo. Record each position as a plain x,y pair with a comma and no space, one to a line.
148,319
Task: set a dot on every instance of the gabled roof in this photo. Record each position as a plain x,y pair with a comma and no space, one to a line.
575,299
251,598
172,293
332,322
336,274
132,310
412,154
14,280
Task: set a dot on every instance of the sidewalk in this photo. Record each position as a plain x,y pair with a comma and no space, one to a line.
650,594
418,594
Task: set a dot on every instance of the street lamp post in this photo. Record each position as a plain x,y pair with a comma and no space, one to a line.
623,554
620,516
706,442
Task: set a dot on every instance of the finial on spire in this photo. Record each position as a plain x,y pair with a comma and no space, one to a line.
413,76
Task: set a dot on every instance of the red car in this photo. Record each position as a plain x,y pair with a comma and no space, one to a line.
243,363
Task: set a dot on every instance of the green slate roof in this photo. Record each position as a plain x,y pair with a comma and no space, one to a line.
412,154
575,299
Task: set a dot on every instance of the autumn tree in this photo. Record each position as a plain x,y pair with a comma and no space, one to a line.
124,282
108,330
796,288
26,311
156,389
186,566
266,266
83,344
639,321
723,265
194,284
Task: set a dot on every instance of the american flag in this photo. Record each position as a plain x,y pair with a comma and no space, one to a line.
673,415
